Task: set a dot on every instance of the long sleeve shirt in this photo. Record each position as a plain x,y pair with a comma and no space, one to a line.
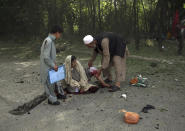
47,57
105,53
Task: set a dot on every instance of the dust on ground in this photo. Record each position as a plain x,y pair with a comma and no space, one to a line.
20,83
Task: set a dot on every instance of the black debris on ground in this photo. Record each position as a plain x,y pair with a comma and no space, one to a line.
146,108
25,108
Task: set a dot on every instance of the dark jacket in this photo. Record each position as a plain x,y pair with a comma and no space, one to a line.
116,43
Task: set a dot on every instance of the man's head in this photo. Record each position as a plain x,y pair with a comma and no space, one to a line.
56,31
73,61
89,41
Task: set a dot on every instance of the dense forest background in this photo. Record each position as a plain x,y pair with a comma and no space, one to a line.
136,18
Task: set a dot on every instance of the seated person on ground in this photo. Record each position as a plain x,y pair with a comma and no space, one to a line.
76,78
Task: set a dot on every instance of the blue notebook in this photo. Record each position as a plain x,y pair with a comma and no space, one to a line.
57,76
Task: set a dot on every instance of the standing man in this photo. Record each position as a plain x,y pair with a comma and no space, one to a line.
113,50
48,61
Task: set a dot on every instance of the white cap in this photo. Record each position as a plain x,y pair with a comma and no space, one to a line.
88,39
92,69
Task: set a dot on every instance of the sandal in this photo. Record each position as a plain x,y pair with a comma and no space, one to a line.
114,88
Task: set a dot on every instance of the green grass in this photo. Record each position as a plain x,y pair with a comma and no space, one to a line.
169,52
75,46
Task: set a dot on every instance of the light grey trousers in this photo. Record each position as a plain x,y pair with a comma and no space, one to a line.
120,68
50,91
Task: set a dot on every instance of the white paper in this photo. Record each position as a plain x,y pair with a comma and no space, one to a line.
57,76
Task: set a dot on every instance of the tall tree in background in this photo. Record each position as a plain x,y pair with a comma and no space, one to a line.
130,18
99,16
136,24
52,14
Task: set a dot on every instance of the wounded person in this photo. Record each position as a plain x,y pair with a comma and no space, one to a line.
93,71
76,78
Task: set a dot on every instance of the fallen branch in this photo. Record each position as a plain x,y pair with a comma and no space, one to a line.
20,110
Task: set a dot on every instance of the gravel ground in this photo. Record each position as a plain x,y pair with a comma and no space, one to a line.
19,83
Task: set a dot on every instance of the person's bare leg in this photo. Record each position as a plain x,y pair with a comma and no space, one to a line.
120,66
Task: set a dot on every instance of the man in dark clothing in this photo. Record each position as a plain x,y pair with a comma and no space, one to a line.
113,50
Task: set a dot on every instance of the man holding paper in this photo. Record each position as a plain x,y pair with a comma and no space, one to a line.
48,61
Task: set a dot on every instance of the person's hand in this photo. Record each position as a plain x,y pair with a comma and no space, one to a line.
90,63
56,68
98,73
81,91
105,84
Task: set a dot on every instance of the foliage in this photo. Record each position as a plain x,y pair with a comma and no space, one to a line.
127,17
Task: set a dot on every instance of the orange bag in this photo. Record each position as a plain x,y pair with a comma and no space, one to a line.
130,117
134,80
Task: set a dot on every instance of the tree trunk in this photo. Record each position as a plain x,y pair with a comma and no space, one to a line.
99,16
94,16
115,16
80,18
89,20
145,23
180,39
52,17
136,26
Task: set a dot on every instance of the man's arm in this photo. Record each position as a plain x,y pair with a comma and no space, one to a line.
46,52
102,81
106,54
93,57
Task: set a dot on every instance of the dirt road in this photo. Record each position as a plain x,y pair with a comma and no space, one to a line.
19,83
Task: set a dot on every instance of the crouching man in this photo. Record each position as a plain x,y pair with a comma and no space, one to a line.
112,47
